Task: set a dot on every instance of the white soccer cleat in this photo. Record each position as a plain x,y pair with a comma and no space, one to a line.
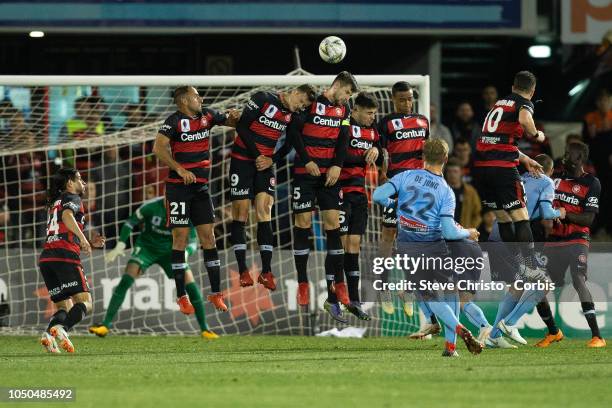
499,342
48,342
426,332
511,331
408,305
386,301
483,333
62,338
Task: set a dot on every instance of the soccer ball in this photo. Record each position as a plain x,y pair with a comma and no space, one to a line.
332,49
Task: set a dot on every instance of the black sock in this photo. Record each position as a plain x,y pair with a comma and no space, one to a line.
589,314
238,238
351,269
213,266
265,240
301,251
58,318
178,267
546,315
522,230
334,262
75,315
506,231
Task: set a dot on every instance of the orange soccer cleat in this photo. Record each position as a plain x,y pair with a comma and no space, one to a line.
267,279
185,305
217,300
550,339
342,293
303,295
245,279
596,342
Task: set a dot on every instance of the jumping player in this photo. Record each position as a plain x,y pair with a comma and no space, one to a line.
264,119
320,137
60,262
183,144
364,150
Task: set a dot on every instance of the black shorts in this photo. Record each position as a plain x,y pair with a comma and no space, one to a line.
354,214
389,216
246,182
500,188
307,188
63,279
465,254
186,203
559,258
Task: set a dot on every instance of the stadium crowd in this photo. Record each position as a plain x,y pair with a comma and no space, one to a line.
121,176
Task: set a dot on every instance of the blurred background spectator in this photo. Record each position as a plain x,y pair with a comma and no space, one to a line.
467,200
486,225
489,97
464,125
463,154
437,129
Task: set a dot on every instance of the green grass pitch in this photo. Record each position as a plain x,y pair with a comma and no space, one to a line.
271,371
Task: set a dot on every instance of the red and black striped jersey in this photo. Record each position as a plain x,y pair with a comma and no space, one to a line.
263,121
190,141
322,129
577,196
61,245
353,174
404,137
497,146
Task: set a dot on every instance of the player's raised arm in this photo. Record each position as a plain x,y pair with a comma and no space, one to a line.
525,118
126,230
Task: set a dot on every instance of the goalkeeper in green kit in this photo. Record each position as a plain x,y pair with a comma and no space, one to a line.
153,246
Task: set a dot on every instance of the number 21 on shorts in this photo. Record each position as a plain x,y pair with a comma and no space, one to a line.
177,208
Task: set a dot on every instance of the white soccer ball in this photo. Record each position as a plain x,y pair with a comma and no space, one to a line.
332,49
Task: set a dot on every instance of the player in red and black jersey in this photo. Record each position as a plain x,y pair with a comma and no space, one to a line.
577,192
495,167
60,260
403,134
320,137
264,119
363,151
183,144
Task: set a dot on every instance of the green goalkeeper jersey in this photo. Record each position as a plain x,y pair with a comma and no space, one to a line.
154,235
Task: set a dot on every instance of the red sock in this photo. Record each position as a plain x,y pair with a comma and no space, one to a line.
450,346
458,329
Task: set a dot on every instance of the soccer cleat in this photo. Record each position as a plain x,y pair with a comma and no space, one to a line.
99,330
217,300
407,304
511,331
185,305
499,342
534,274
335,311
245,279
428,330
549,339
342,293
209,335
596,342
483,333
448,353
303,295
49,343
473,345
267,280
386,302
62,338
355,308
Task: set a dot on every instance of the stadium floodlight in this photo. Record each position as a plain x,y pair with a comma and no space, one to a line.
579,87
37,34
539,51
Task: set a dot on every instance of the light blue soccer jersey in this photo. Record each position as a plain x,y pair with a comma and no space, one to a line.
423,198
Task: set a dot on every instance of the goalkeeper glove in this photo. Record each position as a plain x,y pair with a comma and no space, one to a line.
117,251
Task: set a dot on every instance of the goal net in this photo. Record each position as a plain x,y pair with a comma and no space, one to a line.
105,126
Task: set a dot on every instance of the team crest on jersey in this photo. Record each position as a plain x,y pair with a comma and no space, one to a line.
204,121
582,258
575,189
397,124
185,125
272,181
341,195
338,111
320,108
356,131
271,111
287,117
421,122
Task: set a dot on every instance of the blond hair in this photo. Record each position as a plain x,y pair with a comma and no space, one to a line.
435,151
